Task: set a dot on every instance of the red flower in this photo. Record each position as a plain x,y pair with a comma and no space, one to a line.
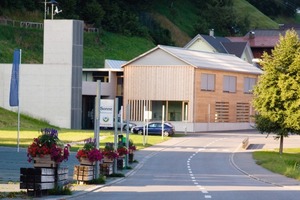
89,151
122,151
48,144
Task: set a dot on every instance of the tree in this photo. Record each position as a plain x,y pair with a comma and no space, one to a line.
277,94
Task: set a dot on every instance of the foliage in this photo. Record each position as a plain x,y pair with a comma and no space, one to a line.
277,94
94,9
89,151
100,180
48,144
275,8
61,190
131,146
221,16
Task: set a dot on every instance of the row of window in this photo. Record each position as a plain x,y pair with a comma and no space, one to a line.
229,83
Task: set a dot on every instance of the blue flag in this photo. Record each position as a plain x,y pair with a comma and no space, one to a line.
14,83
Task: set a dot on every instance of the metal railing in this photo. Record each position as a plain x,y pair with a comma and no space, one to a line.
21,24
35,25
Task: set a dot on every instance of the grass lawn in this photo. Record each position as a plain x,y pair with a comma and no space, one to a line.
75,138
287,164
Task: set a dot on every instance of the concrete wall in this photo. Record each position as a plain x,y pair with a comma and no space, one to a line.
51,91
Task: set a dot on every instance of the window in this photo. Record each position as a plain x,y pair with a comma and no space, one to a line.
229,84
222,112
248,84
208,82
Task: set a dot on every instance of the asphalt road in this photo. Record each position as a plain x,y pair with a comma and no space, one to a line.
198,166
205,166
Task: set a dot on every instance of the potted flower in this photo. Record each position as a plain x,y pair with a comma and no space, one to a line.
89,154
131,150
47,150
109,153
122,151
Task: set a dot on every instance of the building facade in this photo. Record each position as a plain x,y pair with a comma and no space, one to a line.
195,90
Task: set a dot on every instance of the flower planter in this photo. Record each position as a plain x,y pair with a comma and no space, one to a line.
108,160
86,161
120,163
106,169
130,157
44,161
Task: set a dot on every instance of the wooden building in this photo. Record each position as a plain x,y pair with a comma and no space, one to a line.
199,91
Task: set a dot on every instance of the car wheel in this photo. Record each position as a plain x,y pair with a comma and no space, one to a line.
166,133
125,128
140,132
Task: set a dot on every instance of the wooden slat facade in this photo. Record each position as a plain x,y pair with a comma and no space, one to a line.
153,78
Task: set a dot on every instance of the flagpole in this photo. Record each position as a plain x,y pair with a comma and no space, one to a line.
19,104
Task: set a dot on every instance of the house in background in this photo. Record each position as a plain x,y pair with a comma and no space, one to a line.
210,43
263,40
200,91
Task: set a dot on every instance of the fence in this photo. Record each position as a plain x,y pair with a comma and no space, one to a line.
35,25
21,24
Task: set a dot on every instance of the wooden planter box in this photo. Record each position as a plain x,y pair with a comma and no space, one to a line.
44,161
106,169
86,161
130,157
108,160
36,180
121,163
83,173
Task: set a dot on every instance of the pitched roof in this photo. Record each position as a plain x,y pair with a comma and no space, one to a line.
265,38
114,64
205,60
215,42
236,48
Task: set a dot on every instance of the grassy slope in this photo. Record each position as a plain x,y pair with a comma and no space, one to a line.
178,17
9,121
257,18
29,40
183,14
97,47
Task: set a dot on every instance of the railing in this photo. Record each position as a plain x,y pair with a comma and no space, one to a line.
22,24
35,25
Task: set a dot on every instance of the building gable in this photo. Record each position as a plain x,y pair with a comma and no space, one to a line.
201,44
158,57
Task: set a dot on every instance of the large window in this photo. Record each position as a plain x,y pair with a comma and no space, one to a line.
208,82
248,85
229,84
173,110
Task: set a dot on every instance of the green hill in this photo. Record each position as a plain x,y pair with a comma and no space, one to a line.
178,17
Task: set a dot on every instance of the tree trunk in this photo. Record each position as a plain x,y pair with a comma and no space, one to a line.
281,145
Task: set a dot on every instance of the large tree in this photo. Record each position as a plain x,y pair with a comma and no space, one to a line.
277,94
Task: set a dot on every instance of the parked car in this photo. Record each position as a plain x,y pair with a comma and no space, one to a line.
155,128
124,125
